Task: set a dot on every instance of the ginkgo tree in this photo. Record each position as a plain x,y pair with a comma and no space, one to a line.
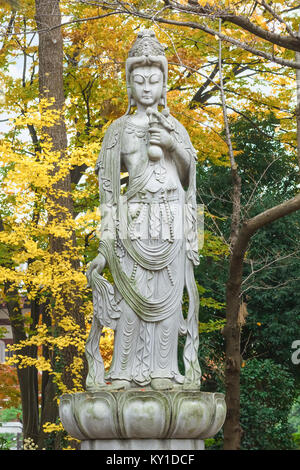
71,86
38,235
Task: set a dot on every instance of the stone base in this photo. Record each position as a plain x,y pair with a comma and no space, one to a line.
142,444
136,418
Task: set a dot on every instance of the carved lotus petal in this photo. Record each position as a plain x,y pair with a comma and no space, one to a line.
218,417
144,415
192,414
96,414
67,416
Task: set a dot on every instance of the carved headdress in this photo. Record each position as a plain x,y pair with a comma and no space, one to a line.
146,50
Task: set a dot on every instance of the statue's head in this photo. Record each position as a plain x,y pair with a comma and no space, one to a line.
146,64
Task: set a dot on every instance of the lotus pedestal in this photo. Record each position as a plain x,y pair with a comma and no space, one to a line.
140,419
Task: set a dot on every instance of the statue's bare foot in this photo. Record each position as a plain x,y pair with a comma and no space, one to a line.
96,388
177,386
118,385
162,384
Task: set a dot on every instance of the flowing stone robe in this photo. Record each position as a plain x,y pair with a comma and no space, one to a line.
149,239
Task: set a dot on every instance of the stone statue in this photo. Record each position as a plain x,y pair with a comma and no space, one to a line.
149,242
148,238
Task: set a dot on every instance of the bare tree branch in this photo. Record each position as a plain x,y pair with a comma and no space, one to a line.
224,37
279,18
266,287
267,265
9,29
291,42
236,180
264,218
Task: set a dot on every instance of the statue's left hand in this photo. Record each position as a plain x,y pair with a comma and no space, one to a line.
98,263
161,137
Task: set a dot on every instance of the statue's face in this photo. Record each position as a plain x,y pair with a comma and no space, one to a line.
146,85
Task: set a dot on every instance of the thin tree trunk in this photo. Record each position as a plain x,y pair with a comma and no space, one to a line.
232,333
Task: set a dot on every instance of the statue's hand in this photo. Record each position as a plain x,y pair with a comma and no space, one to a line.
98,263
161,137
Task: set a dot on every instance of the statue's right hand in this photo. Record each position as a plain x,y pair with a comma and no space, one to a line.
98,263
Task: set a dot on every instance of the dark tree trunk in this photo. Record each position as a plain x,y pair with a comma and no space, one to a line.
27,376
232,334
51,86
48,19
48,406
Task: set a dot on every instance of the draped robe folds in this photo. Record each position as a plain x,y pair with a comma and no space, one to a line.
149,239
